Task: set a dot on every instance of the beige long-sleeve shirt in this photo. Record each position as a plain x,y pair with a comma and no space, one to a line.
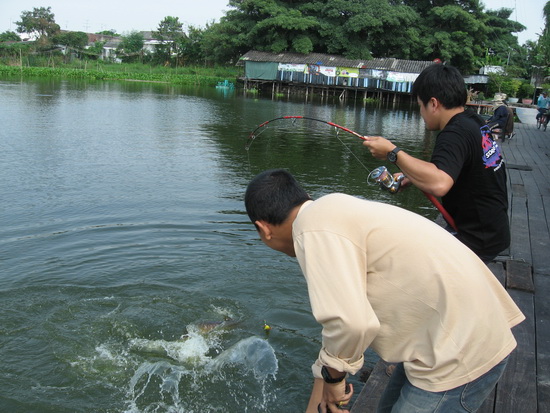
385,277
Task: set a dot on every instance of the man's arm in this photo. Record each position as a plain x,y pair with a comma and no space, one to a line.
424,175
316,396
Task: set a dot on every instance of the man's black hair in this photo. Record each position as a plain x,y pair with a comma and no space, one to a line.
271,195
445,83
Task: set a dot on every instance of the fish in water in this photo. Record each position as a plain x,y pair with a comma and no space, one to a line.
193,349
192,346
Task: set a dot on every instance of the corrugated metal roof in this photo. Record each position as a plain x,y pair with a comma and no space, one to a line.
396,65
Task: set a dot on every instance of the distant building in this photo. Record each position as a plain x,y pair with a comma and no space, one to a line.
485,70
332,70
113,42
316,70
28,37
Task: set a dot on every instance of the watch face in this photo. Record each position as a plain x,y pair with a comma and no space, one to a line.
392,156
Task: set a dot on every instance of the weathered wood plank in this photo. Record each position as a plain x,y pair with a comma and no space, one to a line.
368,399
517,390
520,248
519,190
539,234
519,276
519,167
542,316
497,268
515,179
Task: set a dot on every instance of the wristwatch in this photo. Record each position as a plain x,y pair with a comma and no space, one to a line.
392,155
328,378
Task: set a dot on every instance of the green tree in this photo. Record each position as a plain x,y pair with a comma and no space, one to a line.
452,32
190,45
225,42
130,48
41,21
267,25
77,40
369,28
8,36
95,50
170,36
456,31
544,39
111,33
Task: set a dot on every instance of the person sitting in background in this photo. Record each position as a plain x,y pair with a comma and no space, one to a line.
499,116
501,122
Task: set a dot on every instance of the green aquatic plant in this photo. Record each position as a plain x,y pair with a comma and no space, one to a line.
105,73
370,100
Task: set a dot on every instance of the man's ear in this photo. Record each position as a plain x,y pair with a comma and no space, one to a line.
436,104
264,228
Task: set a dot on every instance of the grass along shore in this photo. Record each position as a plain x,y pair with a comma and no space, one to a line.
204,76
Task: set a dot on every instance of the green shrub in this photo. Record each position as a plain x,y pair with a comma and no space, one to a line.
526,90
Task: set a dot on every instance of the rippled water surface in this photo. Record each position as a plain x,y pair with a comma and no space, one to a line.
131,279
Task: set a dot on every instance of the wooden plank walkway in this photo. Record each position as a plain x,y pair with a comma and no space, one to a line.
525,272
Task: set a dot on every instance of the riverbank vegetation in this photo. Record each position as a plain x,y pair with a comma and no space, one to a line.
99,70
459,32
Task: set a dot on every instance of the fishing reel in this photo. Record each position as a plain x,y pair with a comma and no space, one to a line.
385,179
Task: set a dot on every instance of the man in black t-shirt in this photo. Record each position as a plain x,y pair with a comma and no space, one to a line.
466,168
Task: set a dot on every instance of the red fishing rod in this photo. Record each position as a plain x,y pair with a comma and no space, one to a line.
393,186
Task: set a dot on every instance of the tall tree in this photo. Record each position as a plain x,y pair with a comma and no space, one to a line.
41,21
369,28
77,40
457,31
190,45
170,34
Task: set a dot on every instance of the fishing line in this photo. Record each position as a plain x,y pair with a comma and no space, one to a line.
253,135
263,127
394,187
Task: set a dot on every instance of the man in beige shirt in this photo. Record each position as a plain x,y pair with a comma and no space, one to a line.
382,277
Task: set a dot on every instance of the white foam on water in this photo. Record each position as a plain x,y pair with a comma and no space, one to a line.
254,354
155,385
192,348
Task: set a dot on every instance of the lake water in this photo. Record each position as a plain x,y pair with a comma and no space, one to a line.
131,279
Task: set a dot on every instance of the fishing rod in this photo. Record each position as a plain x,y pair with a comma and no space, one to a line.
253,134
379,175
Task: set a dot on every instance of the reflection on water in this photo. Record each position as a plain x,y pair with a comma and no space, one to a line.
123,231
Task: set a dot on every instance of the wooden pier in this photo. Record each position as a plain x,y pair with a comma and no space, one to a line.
525,272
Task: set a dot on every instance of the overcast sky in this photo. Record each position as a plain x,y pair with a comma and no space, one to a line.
125,16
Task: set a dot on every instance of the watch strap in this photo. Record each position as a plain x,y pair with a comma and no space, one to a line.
392,155
328,378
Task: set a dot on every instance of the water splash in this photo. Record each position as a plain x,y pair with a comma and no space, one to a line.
254,354
192,349
187,370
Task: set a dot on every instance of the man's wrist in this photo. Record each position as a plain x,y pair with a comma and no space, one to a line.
392,155
332,376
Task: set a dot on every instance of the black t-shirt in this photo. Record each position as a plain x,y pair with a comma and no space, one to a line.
478,200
